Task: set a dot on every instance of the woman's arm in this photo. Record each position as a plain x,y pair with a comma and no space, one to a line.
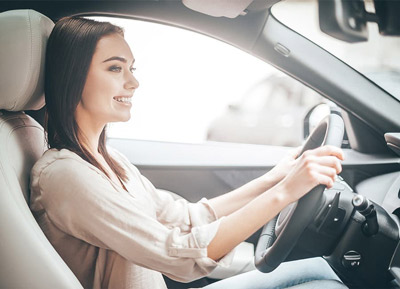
232,201
228,203
315,167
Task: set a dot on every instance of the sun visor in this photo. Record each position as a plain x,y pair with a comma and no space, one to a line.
218,8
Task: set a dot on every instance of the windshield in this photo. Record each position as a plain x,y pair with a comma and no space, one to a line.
378,59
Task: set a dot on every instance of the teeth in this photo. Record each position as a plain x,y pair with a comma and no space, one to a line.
123,99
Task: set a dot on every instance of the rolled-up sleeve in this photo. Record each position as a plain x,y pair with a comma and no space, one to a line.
84,204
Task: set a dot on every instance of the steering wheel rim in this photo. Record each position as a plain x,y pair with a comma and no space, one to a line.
280,235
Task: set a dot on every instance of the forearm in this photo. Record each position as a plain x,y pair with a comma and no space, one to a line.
315,167
242,223
236,199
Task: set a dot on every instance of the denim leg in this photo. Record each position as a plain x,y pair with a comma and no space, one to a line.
286,275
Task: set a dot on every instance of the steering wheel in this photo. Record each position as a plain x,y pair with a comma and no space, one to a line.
280,235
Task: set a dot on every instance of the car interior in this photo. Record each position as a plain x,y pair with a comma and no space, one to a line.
354,225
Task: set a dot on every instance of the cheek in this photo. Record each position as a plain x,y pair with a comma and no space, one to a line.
99,88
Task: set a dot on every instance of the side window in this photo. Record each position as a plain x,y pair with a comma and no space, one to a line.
194,89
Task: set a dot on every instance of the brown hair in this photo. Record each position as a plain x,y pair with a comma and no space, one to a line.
70,49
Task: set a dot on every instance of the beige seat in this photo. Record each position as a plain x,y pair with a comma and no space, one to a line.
27,258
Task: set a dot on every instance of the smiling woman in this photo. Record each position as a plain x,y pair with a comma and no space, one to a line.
109,86
117,64
108,222
88,87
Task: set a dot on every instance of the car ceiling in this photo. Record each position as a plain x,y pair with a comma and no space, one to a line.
241,31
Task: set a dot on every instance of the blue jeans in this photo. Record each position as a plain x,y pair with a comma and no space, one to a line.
288,274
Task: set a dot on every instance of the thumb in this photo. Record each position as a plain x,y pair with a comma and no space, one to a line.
295,152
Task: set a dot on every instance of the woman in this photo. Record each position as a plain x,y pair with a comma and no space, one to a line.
107,221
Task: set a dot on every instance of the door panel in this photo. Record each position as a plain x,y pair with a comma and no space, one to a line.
194,171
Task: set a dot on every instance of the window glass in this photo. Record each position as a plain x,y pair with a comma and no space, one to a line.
194,88
378,58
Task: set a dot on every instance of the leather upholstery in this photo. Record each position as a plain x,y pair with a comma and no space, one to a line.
23,35
27,258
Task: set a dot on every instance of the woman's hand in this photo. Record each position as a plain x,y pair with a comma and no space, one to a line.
279,172
247,213
314,167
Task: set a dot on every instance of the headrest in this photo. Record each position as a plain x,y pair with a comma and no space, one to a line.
23,38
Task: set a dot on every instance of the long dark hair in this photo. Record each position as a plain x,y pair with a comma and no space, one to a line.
70,49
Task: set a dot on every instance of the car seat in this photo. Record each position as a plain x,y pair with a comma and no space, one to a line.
27,258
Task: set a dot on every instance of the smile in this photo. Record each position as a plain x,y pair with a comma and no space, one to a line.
127,100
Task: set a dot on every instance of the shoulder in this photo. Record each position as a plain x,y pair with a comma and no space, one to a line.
59,165
57,158
60,174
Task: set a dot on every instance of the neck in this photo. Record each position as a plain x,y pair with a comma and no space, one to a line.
90,140
89,133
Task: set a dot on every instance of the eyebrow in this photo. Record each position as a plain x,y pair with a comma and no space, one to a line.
122,59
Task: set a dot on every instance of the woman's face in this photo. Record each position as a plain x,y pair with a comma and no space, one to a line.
110,84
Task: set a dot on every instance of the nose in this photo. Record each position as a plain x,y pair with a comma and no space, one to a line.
131,82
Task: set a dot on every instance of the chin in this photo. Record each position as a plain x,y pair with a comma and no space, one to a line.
124,118
120,118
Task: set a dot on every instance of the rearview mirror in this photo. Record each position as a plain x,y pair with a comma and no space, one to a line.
347,19
343,19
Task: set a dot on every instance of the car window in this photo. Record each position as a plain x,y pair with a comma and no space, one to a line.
378,59
194,89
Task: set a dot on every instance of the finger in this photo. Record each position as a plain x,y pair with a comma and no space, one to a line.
329,151
310,159
327,171
323,179
329,161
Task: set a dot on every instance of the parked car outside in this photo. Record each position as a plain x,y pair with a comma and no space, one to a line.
272,112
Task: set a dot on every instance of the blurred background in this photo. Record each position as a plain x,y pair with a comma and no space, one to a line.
195,89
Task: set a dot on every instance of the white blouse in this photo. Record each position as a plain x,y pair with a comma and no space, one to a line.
111,238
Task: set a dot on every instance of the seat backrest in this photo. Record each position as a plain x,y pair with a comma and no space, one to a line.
27,258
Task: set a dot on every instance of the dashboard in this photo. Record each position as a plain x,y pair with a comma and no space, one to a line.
362,257
385,191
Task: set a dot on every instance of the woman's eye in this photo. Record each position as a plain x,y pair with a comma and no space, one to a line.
115,68
132,69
